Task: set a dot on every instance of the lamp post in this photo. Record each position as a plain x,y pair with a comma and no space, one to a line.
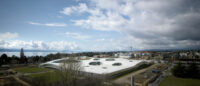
132,80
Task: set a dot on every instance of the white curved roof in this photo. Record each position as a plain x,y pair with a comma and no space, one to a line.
104,68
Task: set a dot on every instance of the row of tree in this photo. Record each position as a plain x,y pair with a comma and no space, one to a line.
4,59
186,71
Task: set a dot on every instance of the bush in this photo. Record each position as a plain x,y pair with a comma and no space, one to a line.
58,80
190,71
179,70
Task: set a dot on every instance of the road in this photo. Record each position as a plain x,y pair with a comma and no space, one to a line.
125,78
161,77
21,81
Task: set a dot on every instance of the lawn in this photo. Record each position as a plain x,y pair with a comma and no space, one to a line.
30,69
48,77
174,81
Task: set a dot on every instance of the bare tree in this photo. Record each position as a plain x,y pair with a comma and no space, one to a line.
70,72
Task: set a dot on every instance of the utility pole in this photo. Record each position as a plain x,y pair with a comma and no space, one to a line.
132,80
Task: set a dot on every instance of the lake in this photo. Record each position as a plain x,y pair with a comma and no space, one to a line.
28,53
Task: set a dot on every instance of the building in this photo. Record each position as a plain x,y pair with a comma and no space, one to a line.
122,55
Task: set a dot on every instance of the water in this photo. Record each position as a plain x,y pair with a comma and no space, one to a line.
28,53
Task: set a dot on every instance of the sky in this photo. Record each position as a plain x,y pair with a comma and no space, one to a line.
99,25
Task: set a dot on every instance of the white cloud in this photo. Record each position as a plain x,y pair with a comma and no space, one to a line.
80,8
8,35
77,35
59,16
34,23
109,22
100,40
49,24
148,23
56,45
55,24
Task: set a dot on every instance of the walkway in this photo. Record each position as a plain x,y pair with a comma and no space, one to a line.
21,81
125,79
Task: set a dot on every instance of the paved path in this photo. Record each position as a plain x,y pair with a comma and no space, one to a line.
161,77
124,79
38,72
21,81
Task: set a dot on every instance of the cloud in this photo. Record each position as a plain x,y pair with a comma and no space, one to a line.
49,24
80,8
40,45
100,40
148,23
77,35
8,35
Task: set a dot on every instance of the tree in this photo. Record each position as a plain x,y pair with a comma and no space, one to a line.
15,59
0,62
179,70
36,59
70,71
4,59
23,58
22,53
192,71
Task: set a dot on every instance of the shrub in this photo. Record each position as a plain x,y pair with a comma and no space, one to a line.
190,71
179,70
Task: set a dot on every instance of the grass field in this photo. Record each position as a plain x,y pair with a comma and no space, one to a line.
174,81
30,69
48,77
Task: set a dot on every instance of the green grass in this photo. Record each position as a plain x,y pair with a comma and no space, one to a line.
30,69
174,81
48,77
